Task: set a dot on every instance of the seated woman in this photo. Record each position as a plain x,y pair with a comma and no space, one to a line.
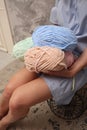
26,89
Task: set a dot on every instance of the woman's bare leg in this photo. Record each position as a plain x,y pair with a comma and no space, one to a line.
23,98
21,77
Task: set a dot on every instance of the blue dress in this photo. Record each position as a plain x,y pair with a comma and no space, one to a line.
71,14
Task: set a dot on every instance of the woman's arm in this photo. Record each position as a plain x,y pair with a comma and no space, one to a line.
79,64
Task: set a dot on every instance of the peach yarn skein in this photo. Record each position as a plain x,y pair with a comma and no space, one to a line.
44,59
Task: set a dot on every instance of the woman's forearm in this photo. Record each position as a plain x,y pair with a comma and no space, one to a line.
79,64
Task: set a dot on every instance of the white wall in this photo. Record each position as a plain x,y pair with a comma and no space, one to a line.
25,15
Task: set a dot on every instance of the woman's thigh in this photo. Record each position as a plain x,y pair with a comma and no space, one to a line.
19,78
31,93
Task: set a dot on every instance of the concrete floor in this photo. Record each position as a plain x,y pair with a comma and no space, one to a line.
5,59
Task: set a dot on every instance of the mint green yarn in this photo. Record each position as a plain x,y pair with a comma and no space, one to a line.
21,47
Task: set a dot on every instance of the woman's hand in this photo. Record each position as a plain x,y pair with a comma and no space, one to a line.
79,64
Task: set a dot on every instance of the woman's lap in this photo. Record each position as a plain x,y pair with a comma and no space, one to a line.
61,88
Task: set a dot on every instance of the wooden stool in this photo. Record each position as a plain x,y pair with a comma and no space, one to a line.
73,110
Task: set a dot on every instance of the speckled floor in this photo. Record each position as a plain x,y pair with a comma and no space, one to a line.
40,117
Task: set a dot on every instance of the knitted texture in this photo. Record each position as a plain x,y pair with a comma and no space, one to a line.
44,59
21,47
54,36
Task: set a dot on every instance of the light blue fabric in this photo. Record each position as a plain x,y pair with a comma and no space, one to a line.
72,14
61,88
54,36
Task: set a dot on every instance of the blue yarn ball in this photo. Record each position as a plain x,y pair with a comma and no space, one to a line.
54,36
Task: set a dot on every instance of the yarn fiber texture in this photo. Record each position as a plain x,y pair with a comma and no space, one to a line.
21,47
44,59
54,36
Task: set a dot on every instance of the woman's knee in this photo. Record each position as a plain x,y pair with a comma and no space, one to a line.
17,109
8,91
16,101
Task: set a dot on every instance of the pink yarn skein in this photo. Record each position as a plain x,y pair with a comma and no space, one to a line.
44,59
